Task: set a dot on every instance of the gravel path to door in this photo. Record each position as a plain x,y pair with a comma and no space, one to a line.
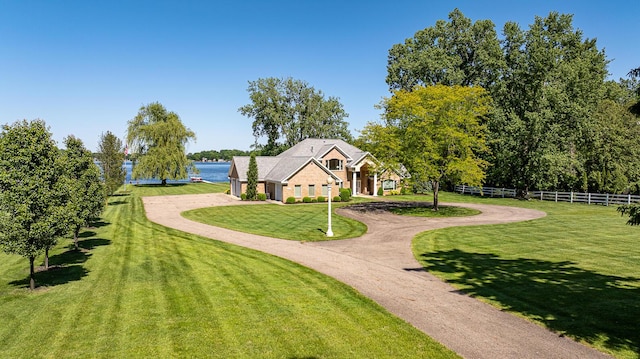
381,266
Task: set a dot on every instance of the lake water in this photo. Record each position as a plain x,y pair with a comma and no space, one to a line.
209,171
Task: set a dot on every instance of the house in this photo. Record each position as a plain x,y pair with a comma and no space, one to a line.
302,171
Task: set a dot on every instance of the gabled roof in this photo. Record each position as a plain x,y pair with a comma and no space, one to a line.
318,147
274,169
265,165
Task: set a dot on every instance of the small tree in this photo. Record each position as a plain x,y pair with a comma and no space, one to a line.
252,178
435,132
111,157
32,207
86,190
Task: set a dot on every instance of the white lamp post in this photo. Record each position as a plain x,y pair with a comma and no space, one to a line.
329,183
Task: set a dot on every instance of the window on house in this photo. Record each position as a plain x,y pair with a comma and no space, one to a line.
312,190
388,185
297,190
324,190
334,165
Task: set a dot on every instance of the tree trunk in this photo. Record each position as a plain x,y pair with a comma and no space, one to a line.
164,181
436,186
32,281
46,258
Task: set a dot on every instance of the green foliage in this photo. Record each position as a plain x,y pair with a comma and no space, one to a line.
380,191
457,52
322,199
556,122
290,200
633,211
546,102
87,193
33,193
337,199
293,110
158,139
306,199
345,194
436,132
314,200
252,178
243,196
262,196
111,157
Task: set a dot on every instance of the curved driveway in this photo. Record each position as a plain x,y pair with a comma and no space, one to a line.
381,266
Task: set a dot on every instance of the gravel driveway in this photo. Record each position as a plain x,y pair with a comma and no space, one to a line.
381,266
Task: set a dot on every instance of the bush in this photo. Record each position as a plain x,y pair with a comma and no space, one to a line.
345,194
314,200
380,191
290,200
321,199
337,199
306,199
262,196
243,196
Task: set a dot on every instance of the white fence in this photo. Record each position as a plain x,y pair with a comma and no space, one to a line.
604,199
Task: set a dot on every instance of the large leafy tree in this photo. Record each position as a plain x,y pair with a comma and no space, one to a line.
457,52
288,111
86,189
32,192
436,132
158,139
547,83
553,83
111,156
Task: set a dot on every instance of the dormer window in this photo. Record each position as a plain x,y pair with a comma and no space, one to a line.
334,165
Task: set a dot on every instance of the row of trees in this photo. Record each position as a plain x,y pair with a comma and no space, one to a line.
222,155
45,193
554,122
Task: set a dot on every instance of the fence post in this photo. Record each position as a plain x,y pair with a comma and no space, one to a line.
503,194
629,198
556,196
606,201
589,200
462,189
571,200
541,192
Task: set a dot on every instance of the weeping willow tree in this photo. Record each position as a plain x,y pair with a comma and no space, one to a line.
157,139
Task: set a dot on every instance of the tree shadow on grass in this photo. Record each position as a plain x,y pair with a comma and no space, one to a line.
65,267
99,223
583,304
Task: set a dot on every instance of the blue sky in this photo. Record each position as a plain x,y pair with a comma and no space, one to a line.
86,67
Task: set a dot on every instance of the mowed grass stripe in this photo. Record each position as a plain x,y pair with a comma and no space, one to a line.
152,291
575,271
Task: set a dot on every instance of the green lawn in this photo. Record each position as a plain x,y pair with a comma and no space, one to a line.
142,290
576,271
300,222
144,190
427,211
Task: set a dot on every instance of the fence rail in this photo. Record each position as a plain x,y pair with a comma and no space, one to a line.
604,199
